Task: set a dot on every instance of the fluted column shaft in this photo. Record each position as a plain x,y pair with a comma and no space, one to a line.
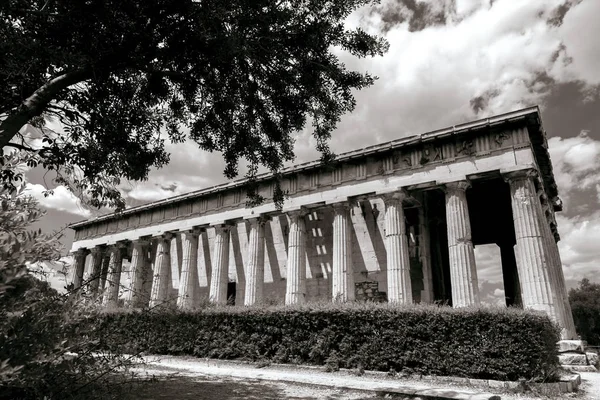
104,270
138,263
396,246
161,284
189,270
97,254
295,290
425,257
563,307
568,324
219,273
115,263
342,274
255,268
533,260
463,272
79,267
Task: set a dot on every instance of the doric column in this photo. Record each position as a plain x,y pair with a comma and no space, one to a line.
396,247
97,254
139,253
220,269
563,307
568,324
79,267
425,257
342,274
115,263
104,270
531,251
189,269
295,290
161,284
255,268
463,273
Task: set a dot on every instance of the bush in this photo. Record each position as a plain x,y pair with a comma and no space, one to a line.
505,344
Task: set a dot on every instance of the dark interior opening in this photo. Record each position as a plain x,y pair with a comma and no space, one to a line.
231,288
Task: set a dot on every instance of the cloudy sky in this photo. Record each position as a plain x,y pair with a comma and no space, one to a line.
449,62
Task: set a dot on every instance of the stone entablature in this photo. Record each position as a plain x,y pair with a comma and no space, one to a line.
402,157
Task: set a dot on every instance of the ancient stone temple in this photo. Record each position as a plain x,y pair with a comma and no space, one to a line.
394,222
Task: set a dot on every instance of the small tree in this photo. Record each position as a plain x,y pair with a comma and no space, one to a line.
585,303
44,347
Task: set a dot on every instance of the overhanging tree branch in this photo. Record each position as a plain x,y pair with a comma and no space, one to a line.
35,104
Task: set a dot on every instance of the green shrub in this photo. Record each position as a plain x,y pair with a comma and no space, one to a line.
505,344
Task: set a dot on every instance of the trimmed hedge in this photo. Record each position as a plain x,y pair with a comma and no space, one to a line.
504,344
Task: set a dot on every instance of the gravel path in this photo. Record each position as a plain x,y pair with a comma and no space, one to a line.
590,385
187,377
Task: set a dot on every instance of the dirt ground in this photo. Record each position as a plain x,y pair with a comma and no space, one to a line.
167,384
188,388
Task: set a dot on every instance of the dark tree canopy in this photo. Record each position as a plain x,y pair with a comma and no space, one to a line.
236,76
585,304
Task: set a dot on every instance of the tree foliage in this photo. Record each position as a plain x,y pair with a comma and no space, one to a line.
585,304
236,76
44,348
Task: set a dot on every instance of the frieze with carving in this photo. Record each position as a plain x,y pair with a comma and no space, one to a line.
499,138
430,153
465,147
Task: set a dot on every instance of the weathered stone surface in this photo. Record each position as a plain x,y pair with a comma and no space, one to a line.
592,358
398,261
572,359
463,273
571,345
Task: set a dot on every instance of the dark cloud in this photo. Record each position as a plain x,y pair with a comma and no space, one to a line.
419,15
171,188
558,14
566,114
481,102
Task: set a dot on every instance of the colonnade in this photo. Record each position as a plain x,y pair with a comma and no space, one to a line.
538,262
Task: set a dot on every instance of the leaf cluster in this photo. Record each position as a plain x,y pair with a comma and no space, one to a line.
585,305
45,349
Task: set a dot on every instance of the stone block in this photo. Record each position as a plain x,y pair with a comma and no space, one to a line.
572,359
496,384
514,386
566,387
592,358
571,345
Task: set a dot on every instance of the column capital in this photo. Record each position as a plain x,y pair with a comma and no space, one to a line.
297,213
118,245
141,242
195,231
527,173
457,186
100,249
164,236
341,207
258,219
394,197
81,252
222,227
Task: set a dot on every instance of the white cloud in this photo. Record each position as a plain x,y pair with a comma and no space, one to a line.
61,199
576,163
502,56
579,250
